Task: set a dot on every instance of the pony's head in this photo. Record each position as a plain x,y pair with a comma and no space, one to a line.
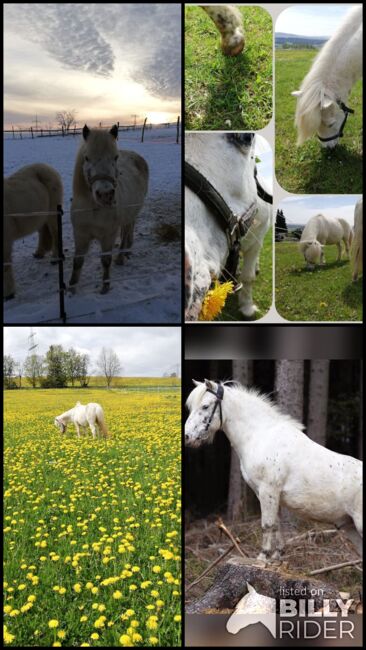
99,163
60,425
205,406
312,251
317,112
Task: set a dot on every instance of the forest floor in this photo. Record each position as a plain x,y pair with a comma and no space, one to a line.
204,543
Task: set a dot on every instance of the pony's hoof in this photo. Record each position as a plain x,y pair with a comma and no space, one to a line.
105,288
38,256
72,290
9,297
120,259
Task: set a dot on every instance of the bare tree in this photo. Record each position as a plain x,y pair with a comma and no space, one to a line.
9,366
109,364
66,119
33,368
318,400
238,489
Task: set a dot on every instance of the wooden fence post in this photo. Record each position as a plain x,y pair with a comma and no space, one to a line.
143,129
32,131
177,141
13,131
61,284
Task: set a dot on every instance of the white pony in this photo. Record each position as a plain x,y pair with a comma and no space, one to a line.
35,189
229,22
323,95
321,230
109,190
91,415
227,160
278,461
356,247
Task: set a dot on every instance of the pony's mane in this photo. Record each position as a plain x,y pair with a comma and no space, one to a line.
196,396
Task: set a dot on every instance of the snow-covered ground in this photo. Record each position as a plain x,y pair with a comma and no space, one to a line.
148,288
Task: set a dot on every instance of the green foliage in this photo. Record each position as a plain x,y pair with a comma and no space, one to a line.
220,88
311,168
325,294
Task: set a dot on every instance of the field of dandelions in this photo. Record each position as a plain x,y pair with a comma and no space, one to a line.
92,527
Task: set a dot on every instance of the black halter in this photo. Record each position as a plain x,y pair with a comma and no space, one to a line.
235,226
219,397
347,111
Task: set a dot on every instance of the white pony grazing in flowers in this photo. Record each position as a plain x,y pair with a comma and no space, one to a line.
356,248
91,415
109,190
34,192
278,461
321,230
323,95
229,22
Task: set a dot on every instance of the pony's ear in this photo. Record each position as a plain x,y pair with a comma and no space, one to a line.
297,93
77,404
250,588
114,131
210,384
326,100
196,383
86,132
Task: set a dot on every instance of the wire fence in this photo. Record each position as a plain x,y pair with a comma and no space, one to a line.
31,133
62,290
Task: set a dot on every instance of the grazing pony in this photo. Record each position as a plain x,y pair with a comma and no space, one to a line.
278,461
91,415
35,189
109,189
321,230
356,247
323,95
227,161
229,22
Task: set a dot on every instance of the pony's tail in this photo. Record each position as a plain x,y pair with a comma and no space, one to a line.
102,425
356,255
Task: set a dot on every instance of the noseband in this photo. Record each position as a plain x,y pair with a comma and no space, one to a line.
102,177
219,397
347,111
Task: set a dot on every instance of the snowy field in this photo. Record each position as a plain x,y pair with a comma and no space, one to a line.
148,288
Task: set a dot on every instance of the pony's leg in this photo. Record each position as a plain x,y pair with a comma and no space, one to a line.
77,429
270,524
229,22
346,245
339,247
44,242
93,429
81,248
126,242
247,277
107,246
9,285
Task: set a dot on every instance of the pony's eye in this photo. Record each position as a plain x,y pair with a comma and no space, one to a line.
86,158
116,157
205,407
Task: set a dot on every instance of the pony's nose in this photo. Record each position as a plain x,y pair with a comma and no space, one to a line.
186,437
105,196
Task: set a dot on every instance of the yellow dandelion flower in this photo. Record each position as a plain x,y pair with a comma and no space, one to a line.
215,300
125,640
53,623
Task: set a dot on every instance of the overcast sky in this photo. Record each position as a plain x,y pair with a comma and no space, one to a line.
299,210
107,61
312,19
143,351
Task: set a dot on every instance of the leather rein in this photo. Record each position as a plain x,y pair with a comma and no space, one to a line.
219,397
347,111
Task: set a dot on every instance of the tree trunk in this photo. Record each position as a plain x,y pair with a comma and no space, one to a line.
238,489
318,400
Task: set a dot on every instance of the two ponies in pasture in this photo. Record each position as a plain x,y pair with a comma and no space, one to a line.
81,416
33,192
357,243
322,99
229,22
109,189
226,163
278,461
321,230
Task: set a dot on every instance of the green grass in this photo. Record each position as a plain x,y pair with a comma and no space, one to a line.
97,519
311,168
262,287
220,88
325,294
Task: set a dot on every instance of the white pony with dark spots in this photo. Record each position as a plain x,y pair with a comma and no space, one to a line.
278,461
109,190
321,230
323,95
229,22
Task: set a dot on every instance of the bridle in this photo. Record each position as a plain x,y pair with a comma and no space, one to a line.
219,397
234,225
347,111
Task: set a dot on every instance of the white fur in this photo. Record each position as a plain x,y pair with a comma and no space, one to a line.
357,243
91,415
100,211
278,461
321,230
34,188
229,22
231,172
334,72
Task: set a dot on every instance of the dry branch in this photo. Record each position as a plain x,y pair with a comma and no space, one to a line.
211,566
335,566
220,524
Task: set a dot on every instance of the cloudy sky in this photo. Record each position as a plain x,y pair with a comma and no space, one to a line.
312,19
299,210
106,61
143,351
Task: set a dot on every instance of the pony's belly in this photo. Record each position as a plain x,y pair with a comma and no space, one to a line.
317,506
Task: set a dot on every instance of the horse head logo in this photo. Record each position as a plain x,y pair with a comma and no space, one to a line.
253,608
